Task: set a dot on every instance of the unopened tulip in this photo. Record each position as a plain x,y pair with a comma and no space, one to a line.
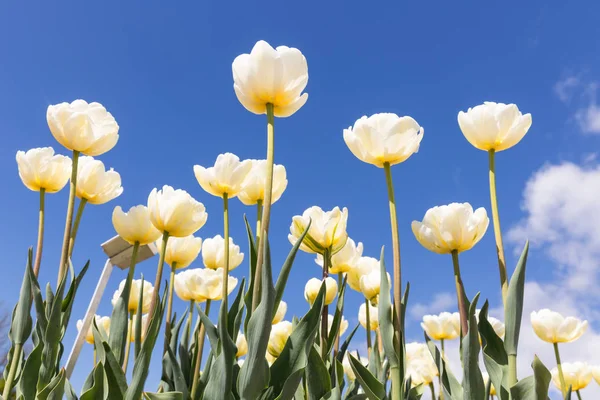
271,76
384,138
280,314
348,368
345,259
102,323
213,253
343,325
577,375
41,169
95,184
135,225
201,284
445,326
134,295
452,227
225,177
311,290
420,364
181,251
552,327
373,316
498,326
143,331
83,127
486,379
370,285
327,230
242,345
364,266
280,333
494,126
175,211
253,187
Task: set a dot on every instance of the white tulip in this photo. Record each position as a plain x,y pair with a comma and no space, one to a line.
201,284
327,230
181,251
225,177
213,253
143,331
343,324
103,323
364,266
577,375
384,138
241,344
175,211
370,285
373,316
95,184
134,295
280,314
83,127
311,290
494,126
41,169
445,326
135,225
552,327
280,333
266,75
345,259
253,187
420,364
348,368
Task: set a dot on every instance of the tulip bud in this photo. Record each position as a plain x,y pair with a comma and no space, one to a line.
242,345
134,295
370,285
280,314
103,323
95,184
327,230
175,211
552,327
348,368
253,187
135,225
363,267
373,316
280,333
143,331
181,251
41,169
311,290
213,253
343,325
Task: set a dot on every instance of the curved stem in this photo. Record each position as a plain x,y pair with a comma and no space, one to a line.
497,230
578,394
62,267
368,312
40,240
561,376
259,213
128,342
266,215
169,307
460,294
76,223
12,371
200,345
397,285
325,311
158,280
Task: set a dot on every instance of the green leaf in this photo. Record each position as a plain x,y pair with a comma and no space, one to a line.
252,272
346,343
333,394
22,323
533,387
119,320
473,386
69,300
514,304
386,323
28,381
337,317
235,311
181,386
317,376
138,320
99,388
494,355
452,388
164,396
374,389
55,389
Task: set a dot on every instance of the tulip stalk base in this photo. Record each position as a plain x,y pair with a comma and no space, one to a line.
40,240
12,372
76,224
396,382
158,280
461,296
512,370
497,230
266,211
62,268
561,376
128,345
200,345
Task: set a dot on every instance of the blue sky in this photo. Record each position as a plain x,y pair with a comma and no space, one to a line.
165,74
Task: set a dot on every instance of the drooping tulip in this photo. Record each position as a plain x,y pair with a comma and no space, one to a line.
494,126
175,211
241,344
213,253
348,368
452,227
343,324
95,184
102,323
552,327
40,169
225,177
181,251
134,295
344,260
384,138
445,326
364,266
280,314
253,187
327,230
84,127
134,225
373,316
577,375
311,290
271,76
280,332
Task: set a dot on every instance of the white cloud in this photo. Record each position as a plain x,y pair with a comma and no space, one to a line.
565,88
588,118
444,301
583,93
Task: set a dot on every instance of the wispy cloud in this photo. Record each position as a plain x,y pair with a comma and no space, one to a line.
444,301
581,95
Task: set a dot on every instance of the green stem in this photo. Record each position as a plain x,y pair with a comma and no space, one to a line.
396,382
561,376
266,214
336,346
259,213
226,252
62,267
497,230
40,240
128,342
368,317
200,343
325,311
169,307
76,223
460,294
578,394
12,371
158,280
441,396
397,285
188,324
432,390
512,370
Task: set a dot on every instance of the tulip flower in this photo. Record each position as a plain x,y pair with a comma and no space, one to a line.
370,285
133,330
452,228
95,184
270,359
364,266
420,365
371,314
42,171
201,284
348,368
213,253
311,290
225,177
280,314
175,212
486,381
445,326
552,327
135,225
242,345
577,375
134,295
102,323
596,373
344,260
494,127
253,186
280,332
343,325
327,232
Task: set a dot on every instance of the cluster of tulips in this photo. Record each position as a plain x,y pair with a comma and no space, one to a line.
255,353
